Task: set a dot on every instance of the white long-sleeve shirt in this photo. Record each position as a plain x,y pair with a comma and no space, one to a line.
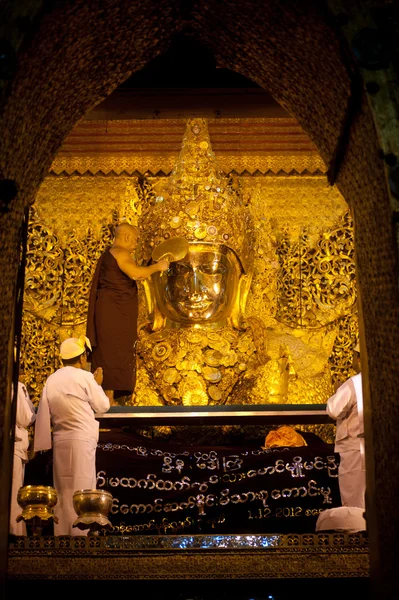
70,399
25,416
344,407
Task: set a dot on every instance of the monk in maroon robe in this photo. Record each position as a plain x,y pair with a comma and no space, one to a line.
113,308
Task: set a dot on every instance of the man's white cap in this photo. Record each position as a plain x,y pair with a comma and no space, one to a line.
347,519
357,347
74,347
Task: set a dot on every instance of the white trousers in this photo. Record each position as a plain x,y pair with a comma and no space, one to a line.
74,468
18,472
352,479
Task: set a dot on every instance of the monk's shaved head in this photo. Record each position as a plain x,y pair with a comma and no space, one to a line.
126,236
124,228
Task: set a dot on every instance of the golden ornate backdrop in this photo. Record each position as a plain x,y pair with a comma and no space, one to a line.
303,293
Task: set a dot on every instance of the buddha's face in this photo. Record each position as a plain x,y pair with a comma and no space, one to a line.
201,288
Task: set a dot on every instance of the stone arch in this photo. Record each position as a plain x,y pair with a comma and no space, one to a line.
72,55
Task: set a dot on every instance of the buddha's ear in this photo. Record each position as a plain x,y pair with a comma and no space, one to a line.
238,311
155,315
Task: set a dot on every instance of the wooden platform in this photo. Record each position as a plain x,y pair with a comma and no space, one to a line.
208,557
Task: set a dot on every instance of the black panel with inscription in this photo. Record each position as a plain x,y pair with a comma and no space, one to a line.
161,487
174,488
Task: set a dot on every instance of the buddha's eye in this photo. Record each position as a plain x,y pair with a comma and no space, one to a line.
179,269
213,269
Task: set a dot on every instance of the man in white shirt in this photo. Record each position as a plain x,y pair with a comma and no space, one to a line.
25,416
71,397
346,407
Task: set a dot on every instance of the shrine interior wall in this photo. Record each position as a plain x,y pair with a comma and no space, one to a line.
304,276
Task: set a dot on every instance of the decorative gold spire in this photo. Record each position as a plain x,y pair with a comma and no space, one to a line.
198,202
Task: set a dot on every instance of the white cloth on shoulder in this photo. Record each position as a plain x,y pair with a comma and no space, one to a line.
346,519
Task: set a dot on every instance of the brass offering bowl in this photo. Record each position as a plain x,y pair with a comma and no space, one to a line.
37,503
92,508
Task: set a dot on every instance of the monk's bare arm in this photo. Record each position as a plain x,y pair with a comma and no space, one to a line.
129,267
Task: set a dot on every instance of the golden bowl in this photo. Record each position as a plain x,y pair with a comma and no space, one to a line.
37,501
92,508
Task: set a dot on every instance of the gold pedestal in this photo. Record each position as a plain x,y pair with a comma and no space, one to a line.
37,503
92,508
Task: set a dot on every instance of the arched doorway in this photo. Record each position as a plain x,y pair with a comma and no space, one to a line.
77,55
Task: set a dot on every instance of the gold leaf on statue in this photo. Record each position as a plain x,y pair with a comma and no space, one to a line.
201,232
214,392
213,357
194,337
171,376
195,398
212,374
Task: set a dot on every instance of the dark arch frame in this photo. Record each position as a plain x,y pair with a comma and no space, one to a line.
71,55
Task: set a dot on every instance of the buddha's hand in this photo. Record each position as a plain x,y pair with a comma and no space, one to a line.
98,375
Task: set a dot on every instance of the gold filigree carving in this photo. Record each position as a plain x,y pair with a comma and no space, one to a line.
70,226
71,206
163,163
316,284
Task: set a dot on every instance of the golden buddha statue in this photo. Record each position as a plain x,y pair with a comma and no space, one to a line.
199,347
198,344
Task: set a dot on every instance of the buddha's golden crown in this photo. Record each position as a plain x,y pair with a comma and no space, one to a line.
197,202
